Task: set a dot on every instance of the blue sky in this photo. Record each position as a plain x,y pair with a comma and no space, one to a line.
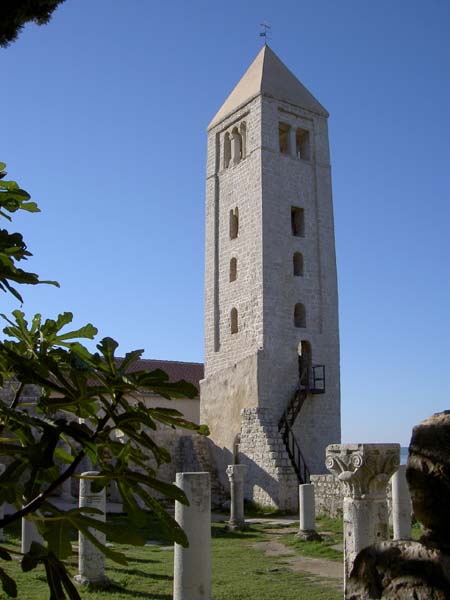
96,105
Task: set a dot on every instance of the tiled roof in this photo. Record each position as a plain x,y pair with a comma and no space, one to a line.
189,371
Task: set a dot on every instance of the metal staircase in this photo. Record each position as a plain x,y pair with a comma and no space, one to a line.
311,381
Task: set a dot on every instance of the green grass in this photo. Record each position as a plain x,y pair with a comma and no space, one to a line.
255,510
335,526
331,531
240,571
316,549
416,531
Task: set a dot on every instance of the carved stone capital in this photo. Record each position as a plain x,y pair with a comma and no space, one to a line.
364,469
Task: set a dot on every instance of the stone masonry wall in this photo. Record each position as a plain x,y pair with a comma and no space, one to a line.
227,188
270,479
292,182
329,495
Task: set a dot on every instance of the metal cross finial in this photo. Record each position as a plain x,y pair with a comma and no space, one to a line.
265,33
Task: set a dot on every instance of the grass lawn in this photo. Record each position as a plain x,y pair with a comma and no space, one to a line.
240,572
331,531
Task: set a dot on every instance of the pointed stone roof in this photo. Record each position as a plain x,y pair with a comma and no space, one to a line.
267,75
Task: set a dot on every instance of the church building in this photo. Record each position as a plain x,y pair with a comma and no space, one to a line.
271,392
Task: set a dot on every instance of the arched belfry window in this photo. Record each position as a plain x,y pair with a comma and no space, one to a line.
234,223
236,146
299,315
226,150
243,132
233,269
234,320
298,264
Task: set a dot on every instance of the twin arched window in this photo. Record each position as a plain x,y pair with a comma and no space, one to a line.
226,150
235,145
243,134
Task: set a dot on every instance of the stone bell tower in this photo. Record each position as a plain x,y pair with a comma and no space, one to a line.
271,393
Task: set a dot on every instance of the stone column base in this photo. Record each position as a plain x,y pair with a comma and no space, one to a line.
102,582
236,526
309,536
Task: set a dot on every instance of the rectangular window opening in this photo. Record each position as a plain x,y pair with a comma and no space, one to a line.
303,149
298,221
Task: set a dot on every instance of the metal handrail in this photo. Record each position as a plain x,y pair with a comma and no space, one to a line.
312,382
293,450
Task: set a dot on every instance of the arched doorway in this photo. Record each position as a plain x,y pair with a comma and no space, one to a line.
304,363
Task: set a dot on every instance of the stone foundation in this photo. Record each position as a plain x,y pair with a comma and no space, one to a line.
271,480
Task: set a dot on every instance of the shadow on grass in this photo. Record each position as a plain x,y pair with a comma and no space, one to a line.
221,532
142,574
151,528
132,559
127,592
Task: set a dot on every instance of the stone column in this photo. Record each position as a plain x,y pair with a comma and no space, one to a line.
86,462
364,470
91,562
30,534
293,141
236,476
192,565
2,507
401,505
307,507
114,494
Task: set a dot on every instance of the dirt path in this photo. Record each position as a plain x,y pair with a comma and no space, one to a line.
317,566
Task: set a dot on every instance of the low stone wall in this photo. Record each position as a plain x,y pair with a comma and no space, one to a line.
329,496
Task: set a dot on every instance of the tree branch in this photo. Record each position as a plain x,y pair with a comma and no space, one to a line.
13,404
17,395
40,499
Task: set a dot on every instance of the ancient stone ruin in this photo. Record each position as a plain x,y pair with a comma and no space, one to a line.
192,565
364,470
236,476
91,561
420,570
307,513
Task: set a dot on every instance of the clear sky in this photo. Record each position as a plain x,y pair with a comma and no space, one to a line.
104,115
